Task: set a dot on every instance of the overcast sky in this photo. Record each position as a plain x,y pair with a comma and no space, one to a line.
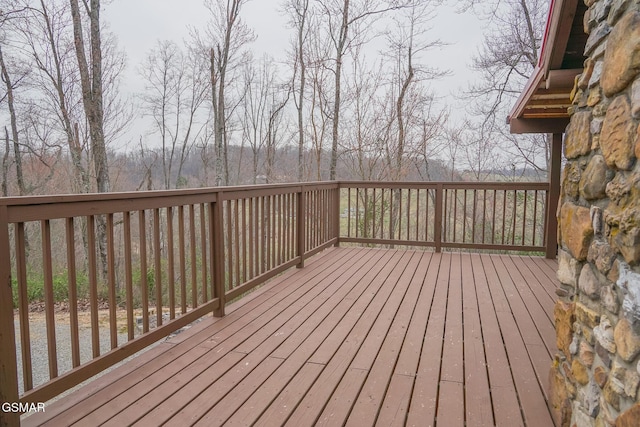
139,24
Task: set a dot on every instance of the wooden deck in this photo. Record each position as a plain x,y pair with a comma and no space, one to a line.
358,337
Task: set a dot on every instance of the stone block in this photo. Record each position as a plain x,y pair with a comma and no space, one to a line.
595,96
628,241
577,141
601,255
559,401
590,399
586,354
595,76
635,99
568,268
610,395
586,316
630,417
596,126
627,341
609,299
617,9
597,36
576,229
593,183
604,334
579,372
600,376
631,382
603,354
618,134
629,282
637,144
587,72
589,283
564,317
622,57
571,176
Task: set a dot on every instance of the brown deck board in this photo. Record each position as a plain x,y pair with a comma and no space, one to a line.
358,337
516,332
506,408
477,392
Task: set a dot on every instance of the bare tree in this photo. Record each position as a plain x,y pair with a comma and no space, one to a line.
347,22
299,19
92,98
14,125
175,91
226,36
505,61
5,164
91,75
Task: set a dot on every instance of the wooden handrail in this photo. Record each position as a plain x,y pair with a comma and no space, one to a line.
200,248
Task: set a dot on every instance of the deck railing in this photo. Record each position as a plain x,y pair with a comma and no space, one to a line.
167,258
463,215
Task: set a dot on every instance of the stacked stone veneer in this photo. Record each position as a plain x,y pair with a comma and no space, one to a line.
595,377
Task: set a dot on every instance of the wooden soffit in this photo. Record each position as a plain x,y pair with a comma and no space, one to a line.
543,103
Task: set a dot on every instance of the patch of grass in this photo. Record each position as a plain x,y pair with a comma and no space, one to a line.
36,291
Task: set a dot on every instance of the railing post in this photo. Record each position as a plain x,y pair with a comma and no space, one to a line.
553,194
336,215
437,233
8,362
301,228
217,253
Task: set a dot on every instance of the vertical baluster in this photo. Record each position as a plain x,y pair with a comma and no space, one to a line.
269,239
216,236
417,215
382,213
171,274
93,285
524,217
111,281
263,236
493,220
426,215
443,219
73,291
144,285
504,212
128,274
515,209
193,250
252,236
157,274
408,214
535,218
203,249
23,301
236,226
182,265
229,245
244,240
484,212
455,215
49,299
279,239
473,216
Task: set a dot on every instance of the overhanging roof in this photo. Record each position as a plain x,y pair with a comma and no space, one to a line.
542,105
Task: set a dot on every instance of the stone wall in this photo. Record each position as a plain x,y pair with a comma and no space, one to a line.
595,376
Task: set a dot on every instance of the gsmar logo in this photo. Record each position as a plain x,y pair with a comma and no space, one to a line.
22,407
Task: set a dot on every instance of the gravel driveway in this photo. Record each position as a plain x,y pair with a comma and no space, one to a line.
39,353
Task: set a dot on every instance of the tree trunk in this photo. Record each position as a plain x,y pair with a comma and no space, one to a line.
342,40
5,165
14,126
91,82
